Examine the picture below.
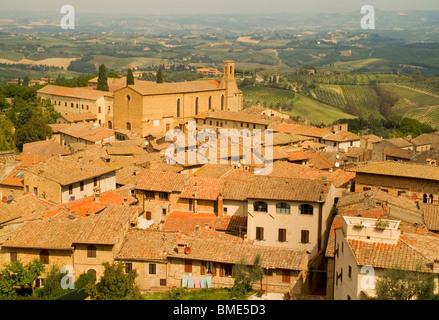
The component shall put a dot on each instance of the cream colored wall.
(80, 105)
(82, 264)
(235, 207)
(51, 189)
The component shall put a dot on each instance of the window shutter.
(222, 270)
(188, 266)
(286, 276)
(214, 269)
(203, 267)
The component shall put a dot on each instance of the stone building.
(155, 108)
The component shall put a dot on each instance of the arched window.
(260, 206)
(283, 208)
(306, 209)
(91, 252)
(92, 272)
(44, 256)
(178, 108)
(196, 106)
(128, 126)
(424, 198)
(210, 103)
(430, 199)
(222, 102)
(110, 125)
(231, 70)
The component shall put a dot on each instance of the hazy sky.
(215, 6)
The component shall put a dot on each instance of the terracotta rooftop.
(65, 172)
(317, 161)
(400, 142)
(276, 188)
(75, 92)
(152, 88)
(399, 169)
(302, 130)
(89, 205)
(204, 188)
(431, 216)
(6, 214)
(79, 117)
(341, 136)
(161, 181)
(45, 148)
(239, 116)
(214, 170)
(297, 156)
(87, 132)
(185, 221)
(144, 245)
(225, 251)
(106, 227)
(372, 138)
(399, 153)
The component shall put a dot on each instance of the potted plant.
(381, 224)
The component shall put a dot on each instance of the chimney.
(125, 201)
(97, 193)
(220, 205)
(197, 230)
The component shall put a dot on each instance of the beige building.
(69, 101)
(155, 108)
(87, 134)
(365, 248)
(61, 180)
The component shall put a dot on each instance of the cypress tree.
(160, 76)
(102, 81)
(130, 77)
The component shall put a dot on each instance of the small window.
(152, 268)
(188, 266)
(128, 267)
(81, 186)
(283, 208)
(259, 233)
(304, 236)
(286, 276)
(150, 194)
(164, 211)
(95, 182)
(44, 256)
(228, 270)
(306, 209)
(164, 196)
(91, 252)
(14, 256)
(36, 191)
(70, 189)
(260, 206)
(366, 189)
(350, 272)
(282, 235)
(148, 215)
(163, 282)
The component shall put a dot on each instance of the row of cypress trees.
(103, 79)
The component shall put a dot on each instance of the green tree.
(26, 81)
(84, 280)
(17, 279)
(6, 134)
(102, 79)
(115, 284)
(245, 275)
(34, 130)
(398, 284)
(160, 76)
(130, 77)
(52, 284)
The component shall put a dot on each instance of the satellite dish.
(146, 143)
(337, 156)
(337, 164)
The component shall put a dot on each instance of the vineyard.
(412, 96)
(330, 97)
(428, 115)
(294, 104)
(422, 87)
(362, 97)
(269, 97)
